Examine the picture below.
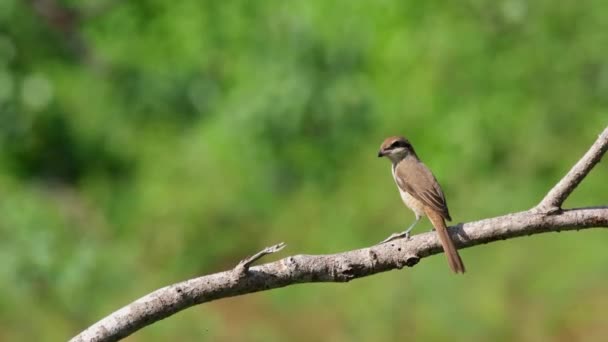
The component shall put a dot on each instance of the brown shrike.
(420, 192)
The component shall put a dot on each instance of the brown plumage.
(421, 192)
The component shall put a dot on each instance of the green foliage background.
(147, 142)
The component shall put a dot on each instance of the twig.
(243, 266)
(343, 267)
(556, 197)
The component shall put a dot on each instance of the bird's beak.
(380, 153)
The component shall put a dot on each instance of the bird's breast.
(410, 201)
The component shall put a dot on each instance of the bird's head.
(395, 148)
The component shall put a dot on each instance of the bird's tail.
(450, 250)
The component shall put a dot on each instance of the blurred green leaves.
(147, 142)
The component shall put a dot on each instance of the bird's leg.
(404, 234)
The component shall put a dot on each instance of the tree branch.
(556, 197)
(343, 267)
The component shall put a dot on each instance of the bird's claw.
(395, 236)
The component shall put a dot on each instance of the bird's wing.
(425, 188)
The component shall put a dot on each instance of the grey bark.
(343, 267)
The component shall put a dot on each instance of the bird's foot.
(395, 236)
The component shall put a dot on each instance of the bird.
(421, 193)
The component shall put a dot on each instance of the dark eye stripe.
(399, 143)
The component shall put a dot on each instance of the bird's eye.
(396, 144)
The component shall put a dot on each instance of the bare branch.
(343, 267)
(556, 197)
(340, 267)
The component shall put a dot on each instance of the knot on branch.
(410, 261)
(547, 210)
(348, 271)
